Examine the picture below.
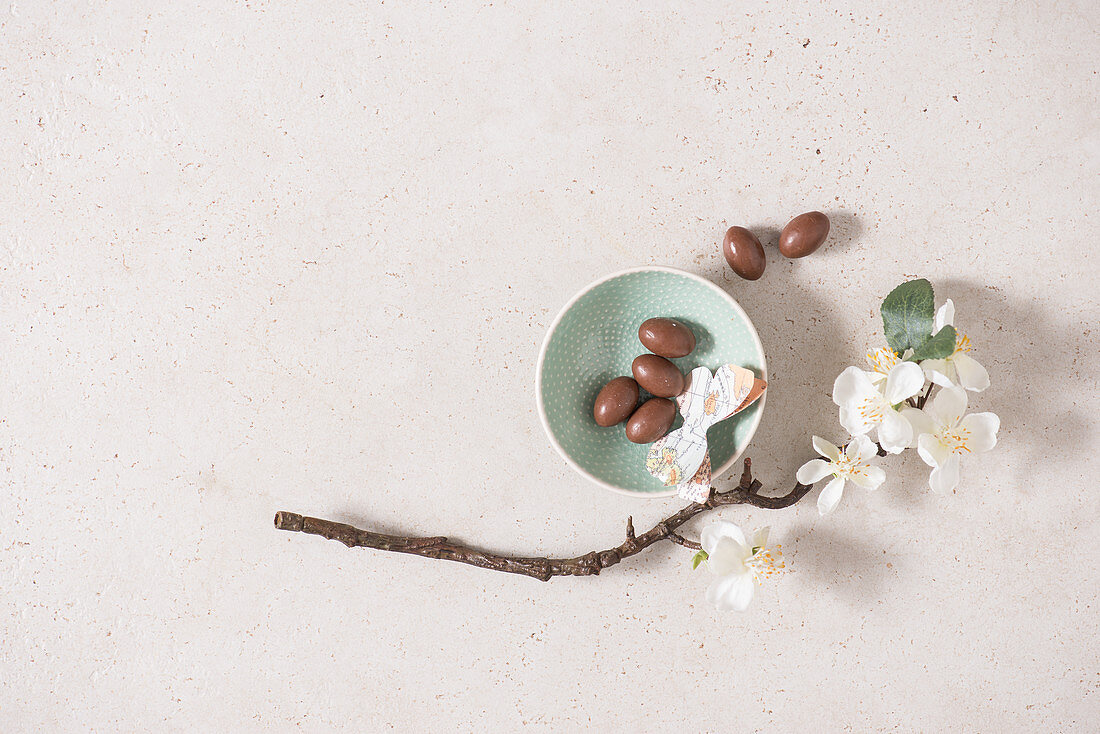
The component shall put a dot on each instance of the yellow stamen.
(766, 563)
(882, 360)
(956, 440)
(846, 467)
(870, 409)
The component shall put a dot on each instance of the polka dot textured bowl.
(595, 338)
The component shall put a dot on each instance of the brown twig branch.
(747, 492)
(924, 398)
(681, 540)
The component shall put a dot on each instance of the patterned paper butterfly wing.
(720, 399)
(695, 389)
(681, 458)
(732, 384)
(676, 457)
(662, 462)
(697, 489)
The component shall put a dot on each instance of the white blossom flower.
(853, 464)
(959, 368)
(881, 361)
(944, 435)
(738, 564)
(864, 406)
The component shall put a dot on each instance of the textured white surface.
(259, 256)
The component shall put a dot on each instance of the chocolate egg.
(615, 402)
(666, 337)
(804, 234)
(658, 375)
(744, 253)
(651, 421)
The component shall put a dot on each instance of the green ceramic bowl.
(595, 338)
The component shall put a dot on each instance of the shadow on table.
(806, 347)
(850, 565)
(1037, 363)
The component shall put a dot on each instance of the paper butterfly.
(681, 458)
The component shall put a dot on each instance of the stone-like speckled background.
(260, 256)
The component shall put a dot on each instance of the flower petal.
(855, 394)
(894, 433)
(920, 421)
(851, 386)
(972, 375)
(948, 406)
(813, 471)
(945, 315)
(904, 381)
(982, 428)
(855, 422)
(726, 557)
(731, 593)
(945, 477)
(939, 371)
(718, 530)
(826, 449)
(861, 449)
(760, 537)
(868, 477)
(830, 496)
(851, 449)
(931, 450)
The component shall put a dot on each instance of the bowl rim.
(553, 327)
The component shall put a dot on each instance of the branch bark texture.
(747, 492)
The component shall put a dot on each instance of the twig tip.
(291, 521)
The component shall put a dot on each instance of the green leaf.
(698, 558)
(907, 315)
(940, 346)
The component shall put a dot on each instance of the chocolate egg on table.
(744, 253)
(666, 337)
(651, 421)
(616, 401)
(658, 375)
(804, 234)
